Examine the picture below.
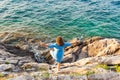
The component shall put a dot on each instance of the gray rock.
(12, 61)
(109, 60)
(68, 77)
(6, 67)
(35, 66)
(105, 76)
(22, 77)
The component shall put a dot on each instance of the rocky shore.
(21, 58)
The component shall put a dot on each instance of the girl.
(58, 51)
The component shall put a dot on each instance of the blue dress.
(58, 51)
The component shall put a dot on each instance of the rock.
(82, 55)
(68, 77)
(12, 58)
(25, 47)
(71, 54)
(68, 52)
(75, 40)
(68, 58)
(3, 74)
(4, 53)
(74, 70)
(2, 46)
(24, 60)
(93, 39)
(10, 61)
(110, 60)
(81, 58)
(95, 46)
(105, 76)
(35, 66)
(6, 67)
(84, 61)
(103, 47)
(41, 75)
(22, 77)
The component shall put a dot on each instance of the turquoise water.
(67, 18)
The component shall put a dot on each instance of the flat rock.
(22, 77)
(108, 60)
(35, 66)
(6, 67)
(105, 76)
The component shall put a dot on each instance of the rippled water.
(68, 18)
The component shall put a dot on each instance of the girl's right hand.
(43, 44)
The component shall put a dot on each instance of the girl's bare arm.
(43, 44)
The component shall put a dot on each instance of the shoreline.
(89, 57)
(37, 32)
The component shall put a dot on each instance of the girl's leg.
(58, 64)
(58, 67)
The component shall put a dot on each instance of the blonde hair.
(59, 41)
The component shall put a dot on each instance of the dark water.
(67, 18)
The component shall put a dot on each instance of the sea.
(66, 18)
